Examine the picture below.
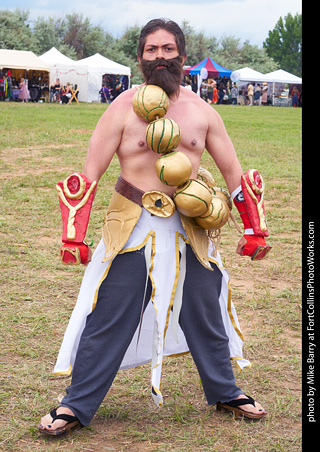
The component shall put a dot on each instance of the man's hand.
(253, 246)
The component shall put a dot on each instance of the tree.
(257, 58)
(50, 33)
(284, 43)
(198, 46)
(15, 31)
(228, 51)
(233, 55)
(82, 36)
(128, 43)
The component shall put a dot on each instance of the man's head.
(164, 24)
(161, 54)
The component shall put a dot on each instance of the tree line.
(76, 37)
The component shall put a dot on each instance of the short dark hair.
(165, 24)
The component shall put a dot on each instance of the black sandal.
(234, 406)
(72, 422)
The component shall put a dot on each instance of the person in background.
(250, 91)
(222, 92)
(2, 87)
(295, 97)
(8, 86)
(105, 94)
(188, 85)
(66, 95)
(118, 88)
(257, 94)
(264, 97)
(234, 95)
(24, 92)
(54, 90)
(215, 93)
(210, 87)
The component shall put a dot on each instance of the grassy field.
(43, 143)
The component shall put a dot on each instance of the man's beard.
(169, 77)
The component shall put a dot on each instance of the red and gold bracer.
(76, 195)
(249, 200)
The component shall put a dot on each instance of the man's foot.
(244, 406)
(58, 421)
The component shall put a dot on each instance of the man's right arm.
(76, 193)
(106, 138)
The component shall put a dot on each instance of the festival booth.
(207, 68)
(25, 64)
(98, 66)
(242, 77)
(67, 70)
(247, 74)
(278, 81)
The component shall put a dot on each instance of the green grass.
(43, 143)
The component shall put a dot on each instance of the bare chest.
(193, 132)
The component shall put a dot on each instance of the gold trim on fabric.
(176, 355)
(231, 315)
(216, 262)
(105, 274)
(229, 303)
(239, 358)
(198, 239)
(75, 253)
(153, 253)
(158, 394)
(65, 373)
(175, 283)
(81, 190)
(138, 247)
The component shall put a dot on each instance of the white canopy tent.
(23, 60)
(276, 81)
(25, 64)
(281, 76)
(67, 70)
(247, 74)
(98, 66)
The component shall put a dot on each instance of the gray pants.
(112, 324)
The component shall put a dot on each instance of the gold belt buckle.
(158, 203)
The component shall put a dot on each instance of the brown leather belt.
(155, 202)
(129, 191)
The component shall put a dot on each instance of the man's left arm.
(247, 189)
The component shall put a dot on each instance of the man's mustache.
(168, 63)
(162, 62)
(168, 76)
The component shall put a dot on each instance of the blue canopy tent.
(214, 69)
(207, 68)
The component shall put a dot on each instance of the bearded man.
(148, 291)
